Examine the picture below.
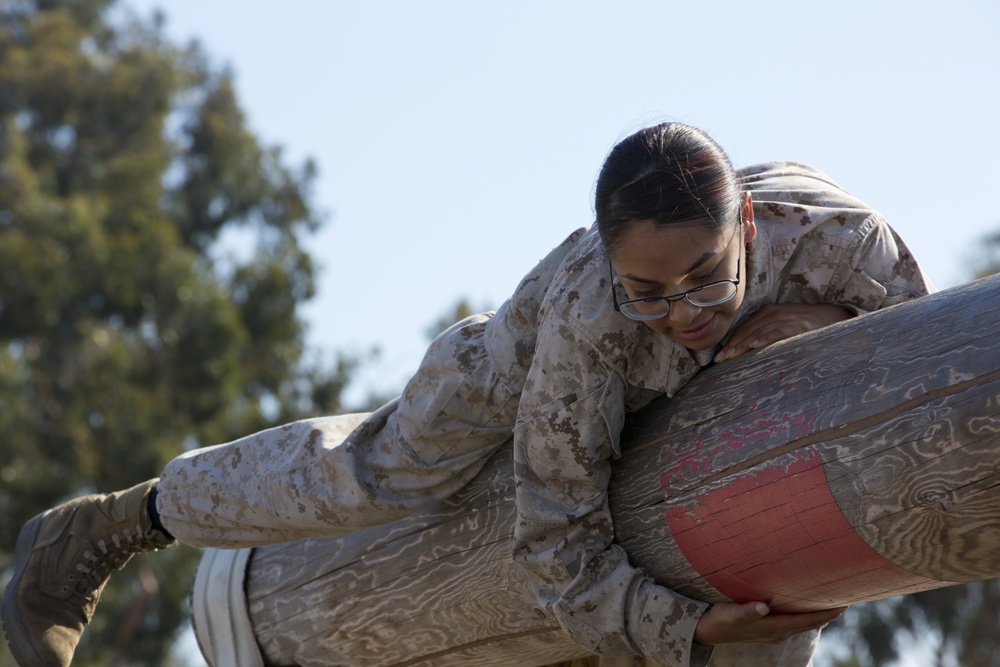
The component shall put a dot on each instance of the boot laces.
(87, 579)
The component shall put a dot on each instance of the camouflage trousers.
(327, 476)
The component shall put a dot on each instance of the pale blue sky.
(458, 141)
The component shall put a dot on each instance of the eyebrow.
(694, 267)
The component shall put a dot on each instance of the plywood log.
(851, 464)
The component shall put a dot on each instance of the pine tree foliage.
(127, 333)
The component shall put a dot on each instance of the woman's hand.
(752, 623)
(778, 321)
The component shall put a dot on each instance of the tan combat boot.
(63, 560)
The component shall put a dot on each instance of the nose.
(682, 312)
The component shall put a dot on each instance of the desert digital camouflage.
(556, 369)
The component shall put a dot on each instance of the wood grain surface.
(854, 463)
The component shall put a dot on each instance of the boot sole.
(17, 638)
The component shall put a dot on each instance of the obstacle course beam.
(850, 464)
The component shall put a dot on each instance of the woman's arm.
(778, 321)
(563, 540)
(570, 417)
(752, 623)
(874, 271)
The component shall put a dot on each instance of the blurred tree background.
(129, 333)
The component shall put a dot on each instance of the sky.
(458, 141)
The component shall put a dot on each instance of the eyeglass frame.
(686, 295)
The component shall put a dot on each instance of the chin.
(697, 345)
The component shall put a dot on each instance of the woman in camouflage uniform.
(690, 263)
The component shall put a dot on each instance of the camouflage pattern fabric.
(557, 369)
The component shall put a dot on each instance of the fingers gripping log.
(854, 463)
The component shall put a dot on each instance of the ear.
(749, 226)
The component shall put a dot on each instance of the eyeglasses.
(655, 307)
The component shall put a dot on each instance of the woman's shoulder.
(580, 296)
(794, 175)
(794, 203)
(579, 322)
(785, 184)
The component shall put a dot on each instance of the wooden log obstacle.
(850, 464)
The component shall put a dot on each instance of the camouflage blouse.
(580, 367)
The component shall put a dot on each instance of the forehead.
(669, 251)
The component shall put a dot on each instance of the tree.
(956, 625)
(126, 334)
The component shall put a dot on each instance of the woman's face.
(665, 261)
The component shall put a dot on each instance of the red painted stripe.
(776, 534)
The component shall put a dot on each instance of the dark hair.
(669, 173)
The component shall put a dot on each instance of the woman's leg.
(310, 478)
(326, 476)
